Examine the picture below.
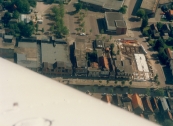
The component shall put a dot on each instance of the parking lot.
(44, 10)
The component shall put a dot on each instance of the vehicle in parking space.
(82, 34)
(163, 16)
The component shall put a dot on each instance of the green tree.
(130, 82)
(23, 6)
(159, 92)
(43, 30)
(16, 14)
(86, 10)
(7, 17)
(147, 91)
(159, 25)
(156, 77)
(90, 31)
(116, 82)
(112, 46)
(102, 31)
(36, 27)
(61, 10)
(144, 22)
(26, 29)
(78, 6)
(123, 82)
(162, 55)
(82, 24)
(123, 9)
(32, 3)
(168, 122)
(110, 37)
(145, 32)
(140, 13)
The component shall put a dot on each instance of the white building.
(143, 72)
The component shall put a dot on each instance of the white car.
(82, 34)
(163, 16)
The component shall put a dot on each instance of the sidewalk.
(93, 82)
(129, 33)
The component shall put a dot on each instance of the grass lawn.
(146, 28)
(171, 47)
(151, 42)
(164, 20)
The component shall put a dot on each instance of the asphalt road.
(113, 90)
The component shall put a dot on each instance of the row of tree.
(59, 28)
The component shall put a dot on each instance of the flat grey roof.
(164, 104)
(96, 2)
(124, 66)
(107, 4)
(22, 60)
(27, 45)
(120, 24)
(150, 5)
(114, 20)
(52, 54)
(165, 1)
(8, 36)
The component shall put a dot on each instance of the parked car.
(163, 16)
(82, 34)
(162, 13)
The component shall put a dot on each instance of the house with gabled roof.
(154, 104)
(163, 105)
(107, 98)
(116, 99)
(137, 104)
(147, 105)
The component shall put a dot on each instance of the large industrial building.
(115, 23)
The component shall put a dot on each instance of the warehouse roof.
(114, 20)
(108, 4)
(22, 60)
(150, 5)
(51, 53)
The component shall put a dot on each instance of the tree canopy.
(144, 22)
(159, 92)
(26, 30)
(78, 6)
(16, 14)
(168, 122)
(22, 6)
(32, 3)
(123, 9)
(159, 25)
(59, 28)
(7, 17)
(140, 13)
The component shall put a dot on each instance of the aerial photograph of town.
(117, 51)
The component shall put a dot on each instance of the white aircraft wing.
(30, 99)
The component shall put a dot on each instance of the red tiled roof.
(107, 98)
(103, 61)
(147, 104)
(169, 53)
(171, 12)
(136, 101)
(94, 65)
